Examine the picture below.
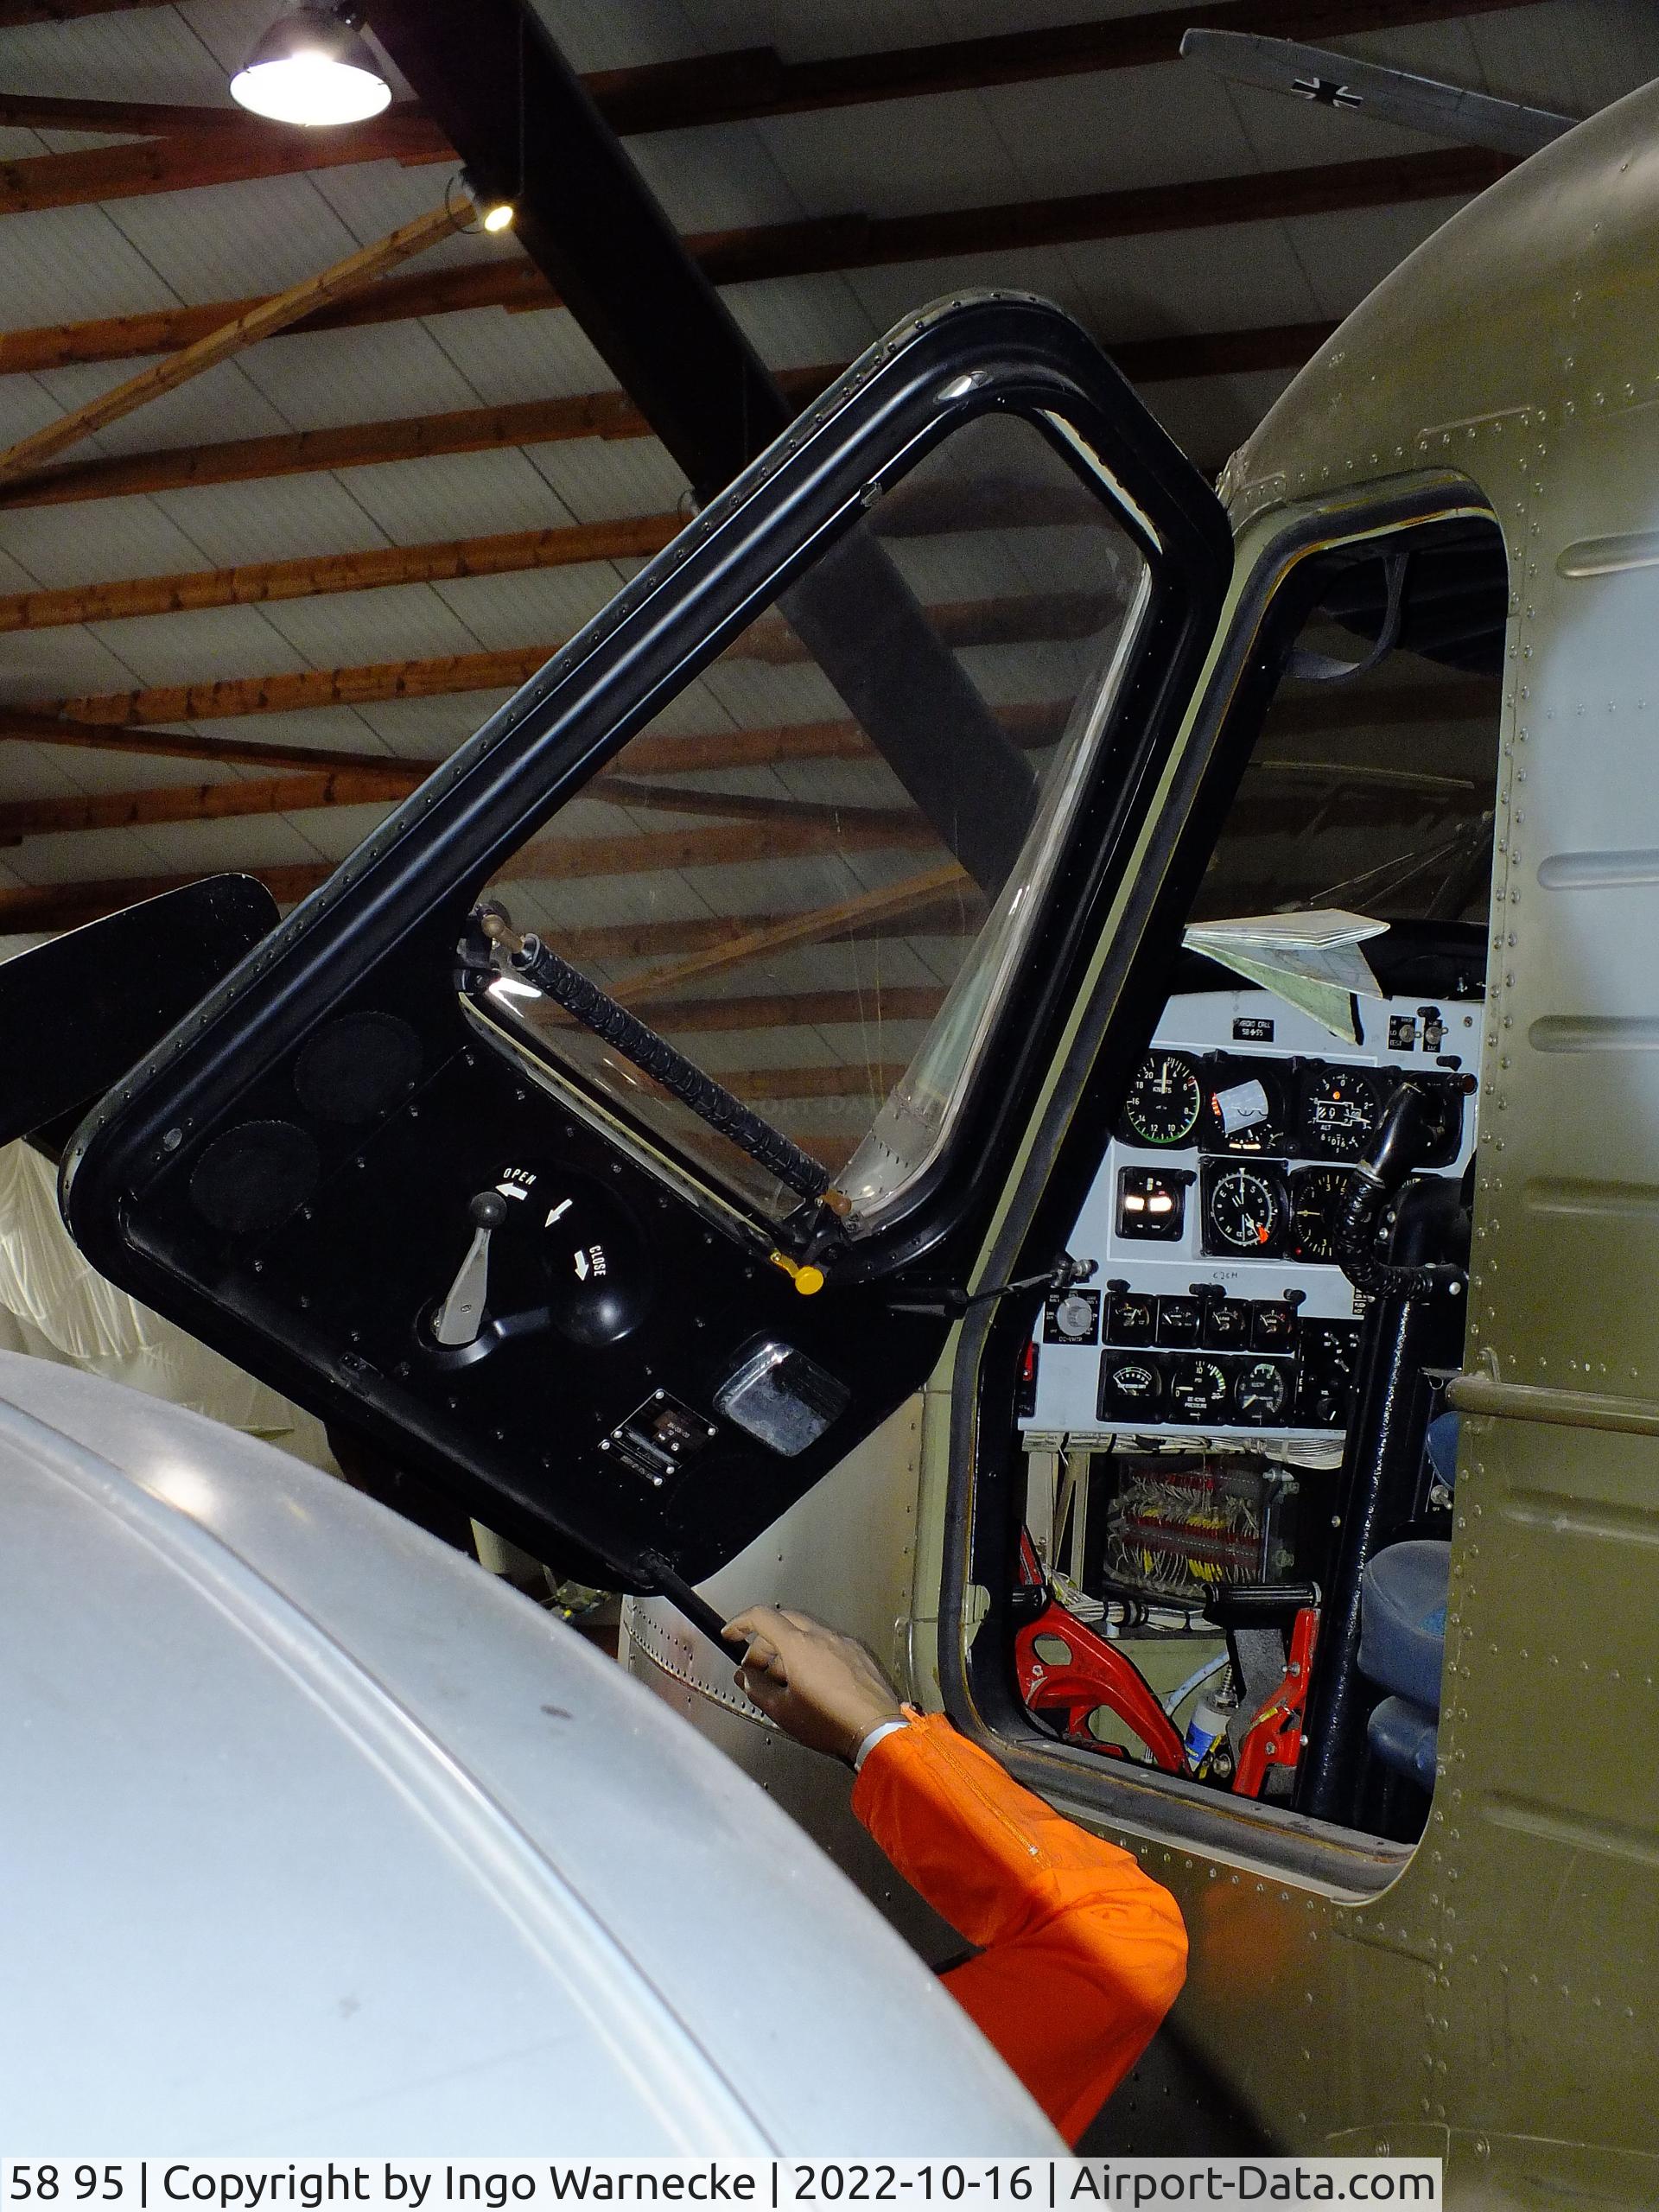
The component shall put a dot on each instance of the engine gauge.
(1130, 1318)
(1244, 1211)
(1340, 1111)
(1262, 1390)
(1315, 1194)
(1164, 1100)
(1198, 1391)
(1129, 1389)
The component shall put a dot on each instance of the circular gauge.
(1340, 1111)
(1245, 1210)
(1164, 1100)
(1074, 1317)
(1130, 1320)
(1130, 1388)
(1197, 1390)
(1315, 1194)
(1261, 1390)
(1227, 1323)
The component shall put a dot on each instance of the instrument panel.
(1216, 1308)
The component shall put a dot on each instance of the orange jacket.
(1081, 1954)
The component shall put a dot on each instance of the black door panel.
(348, 1174)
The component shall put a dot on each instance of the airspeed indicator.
(1164, 1100)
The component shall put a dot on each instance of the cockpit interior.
(1239, 1473)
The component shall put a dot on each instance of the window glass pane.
(810, 871)
(1374, 791)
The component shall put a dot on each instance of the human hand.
(819, 1686)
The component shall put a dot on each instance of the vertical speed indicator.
(1164, 1100)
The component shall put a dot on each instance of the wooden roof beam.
(930, 510)
(325, 779)
(17, 722)
(794, 1009)
(755, 82)
(995, 622)
(167, 803)
(129, 118)
(15, 13)
(65, 905)
(549, 421)
(676, 95)
(254, 583)
(221, 145)
(817, 245)
(343, 278)
(231, 152)
(856, 1080)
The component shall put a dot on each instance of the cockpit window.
(1371, 786)
(812, 872)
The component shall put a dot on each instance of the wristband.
(868, 1742)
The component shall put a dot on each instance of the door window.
(782, 872)
(814, 871)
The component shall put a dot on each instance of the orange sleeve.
(1082, 1955)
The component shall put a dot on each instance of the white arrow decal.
(563, 1206)
(513, 1190)
(581, 1266)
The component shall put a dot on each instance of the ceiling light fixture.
(312, 67)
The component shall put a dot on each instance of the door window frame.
(1110, 1027)
(902, 402)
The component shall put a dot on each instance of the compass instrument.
(1244, 1210)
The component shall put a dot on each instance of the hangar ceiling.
(238, 623)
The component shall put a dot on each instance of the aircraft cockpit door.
(610, 1138)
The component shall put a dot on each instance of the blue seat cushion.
(1403, 1736)
(1443, 1446)
(1402, 1620)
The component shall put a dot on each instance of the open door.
(610, 1138)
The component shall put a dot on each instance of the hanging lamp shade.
(312, 67)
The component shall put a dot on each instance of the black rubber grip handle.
(711, 1101)
(684, 1600)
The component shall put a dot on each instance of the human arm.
(1081, 1954)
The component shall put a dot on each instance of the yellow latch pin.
(806, 1280)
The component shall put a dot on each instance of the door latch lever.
(459, 1317)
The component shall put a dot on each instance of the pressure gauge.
(1262, 1390)
(1198, 1390)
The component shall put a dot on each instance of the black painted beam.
(526, 128)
